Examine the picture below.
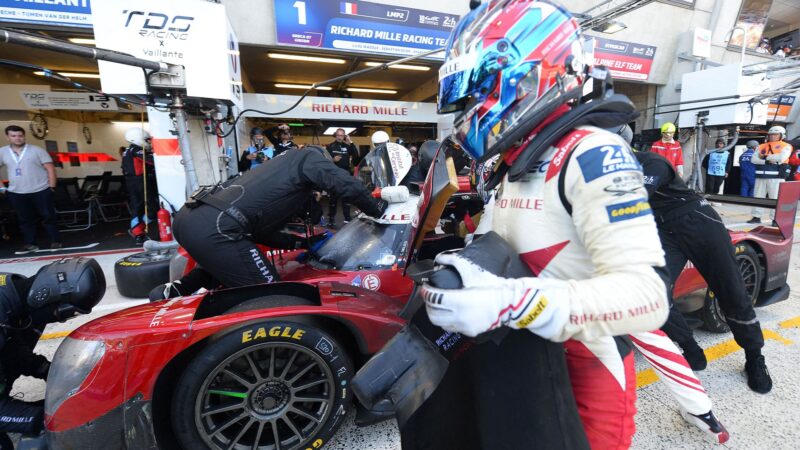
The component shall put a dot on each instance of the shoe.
(27, 248)
(754, 220)
(56, 246)
(758, 378)
(775, 224)
(695, 357)
(714, 429)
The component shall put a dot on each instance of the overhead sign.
(625, 60)
(195, 34)
(83, 101)
(341, 108)
(779, 108)
(73, 13)
(361, 26)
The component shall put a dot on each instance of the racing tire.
(136, 275)
(269, 381)
(711, 314)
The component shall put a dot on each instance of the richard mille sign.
(342, 108)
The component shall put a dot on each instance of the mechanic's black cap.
(256, 130)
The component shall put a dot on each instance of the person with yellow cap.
(669, 148)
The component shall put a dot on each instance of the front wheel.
(270, 385)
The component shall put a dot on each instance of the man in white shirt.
(31, 181)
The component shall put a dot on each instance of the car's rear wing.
(785, 206)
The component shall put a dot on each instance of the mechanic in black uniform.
(140, 179)
(283, 141)
(220, 229)
(691, 229)
(343, 152)
(59, 291)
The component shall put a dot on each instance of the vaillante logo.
(159, 26)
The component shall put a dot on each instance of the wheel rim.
(150, 256)
(272, 396)
(749, 271)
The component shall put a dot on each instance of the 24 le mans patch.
(606, 159)
(628, 210)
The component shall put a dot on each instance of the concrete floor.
(755, 421)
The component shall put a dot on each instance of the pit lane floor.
(755, 421)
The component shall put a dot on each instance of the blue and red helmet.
(508, 65)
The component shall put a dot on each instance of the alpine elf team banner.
(361, 26)
(625, 60)
(75, 13)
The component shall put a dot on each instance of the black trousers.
(219, 245)
(136, 199)
(713, 183)
(701, 237)
(30, 209)
(333, 200)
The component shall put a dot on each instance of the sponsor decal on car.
(279, 331)
(606, 159)
(371, 282)
(628, 210)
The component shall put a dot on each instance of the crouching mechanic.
(571, 201)
(691, 229)
(58, 291)
(220, 228)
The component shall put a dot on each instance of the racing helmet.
(668, 127)
(380, 137)
(509, 64)
(624, 131)
(752, 144)
(137, 136)
(777, 129)
(65, 288)
(426, 154)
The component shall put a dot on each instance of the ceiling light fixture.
(71, 74)
(372, 91)
(399, 66)
(306, 58)
(332, 130)
(301, 86)
(82, 41)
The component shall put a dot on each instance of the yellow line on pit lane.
(648, 376)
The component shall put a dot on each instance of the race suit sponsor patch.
(606, 159)
(628, 210)
(651, 180)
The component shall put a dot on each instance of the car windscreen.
(375, 170)
(364, 244)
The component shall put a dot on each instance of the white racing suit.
(582, 223)
(768, 174)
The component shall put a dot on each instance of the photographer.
(257, 152)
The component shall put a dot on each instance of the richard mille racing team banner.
(625, 60)
(341, 108)
(361, 26)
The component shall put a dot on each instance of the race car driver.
(770, 160)
(220, 229)
(571, 201)
(669, 147)
(691, 229)
(58, 291)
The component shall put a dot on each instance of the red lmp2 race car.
(270, 366)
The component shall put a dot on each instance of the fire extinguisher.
(164, 224)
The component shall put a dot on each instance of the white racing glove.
(488, 301)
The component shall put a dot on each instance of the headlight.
(72, 363)
(177, 265)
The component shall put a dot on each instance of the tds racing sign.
(190, 33)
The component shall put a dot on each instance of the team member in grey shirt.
(31, 181)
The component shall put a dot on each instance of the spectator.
(32, 180)
(748, 170)
(763, 47)
(342, 150)
(770, 159)
(669, 148)
(718, 163)
(256, 153)
(284, 140)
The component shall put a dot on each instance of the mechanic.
(283, 141)
(343, 152)
(771, 161)
(571, 201)
(220, 229)
(669, 147)
(747, 169)
(140, 182)
(379, 137)
(690, 229)
(256, 153)
(718, 163)
(58, 292)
